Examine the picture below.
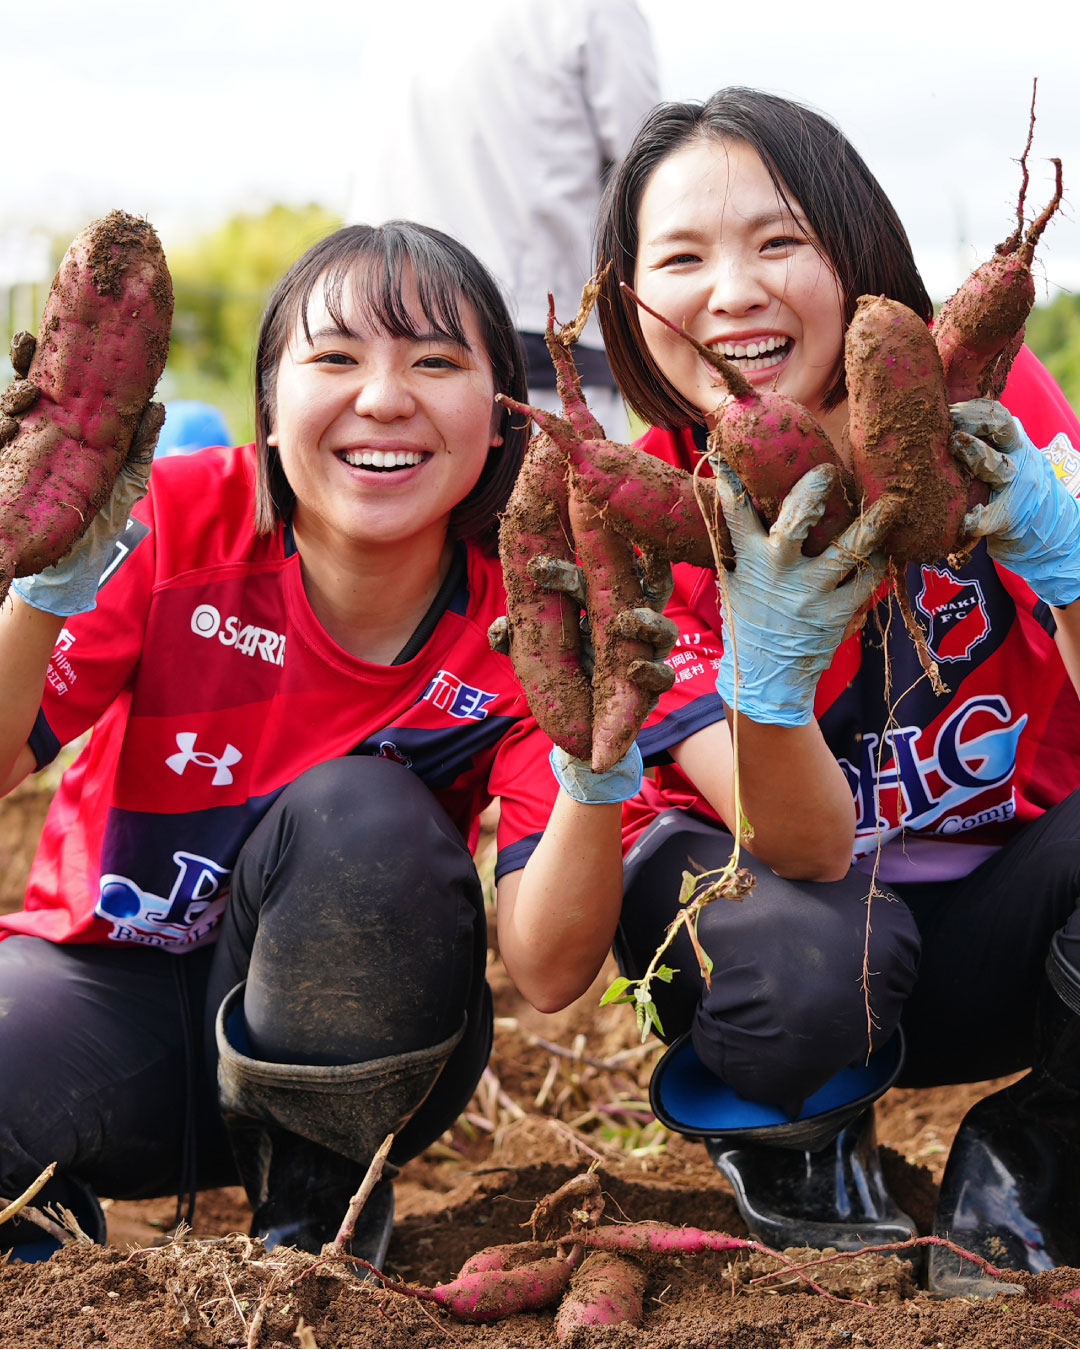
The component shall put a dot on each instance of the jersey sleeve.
(1033, 395)
(522, 779)
(97, 653)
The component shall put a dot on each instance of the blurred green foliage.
(222, 281)
(1053, 334)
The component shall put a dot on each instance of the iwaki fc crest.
(956, 612)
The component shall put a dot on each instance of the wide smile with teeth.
(382, 459)
(754, 355)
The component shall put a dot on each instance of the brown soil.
(539, 1117)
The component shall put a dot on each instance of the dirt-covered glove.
(646, 623)
(1032, 521)
(70, 586)
(20, 394)
(617, 784)
(785, 614)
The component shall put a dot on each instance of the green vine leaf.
(616, 990)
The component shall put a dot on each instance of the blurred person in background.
(508, 116)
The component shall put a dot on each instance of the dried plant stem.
(11, 1208)
(360, 1199)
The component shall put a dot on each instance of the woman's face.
(380, 437)
(720, 253)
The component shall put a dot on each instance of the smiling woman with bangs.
(254, 937)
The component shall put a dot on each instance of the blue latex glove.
(1032, 521)
(784, 614)
(70, 586)
(616, 784)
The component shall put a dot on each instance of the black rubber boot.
(1011, 1189)
(303, 1135)
(299, 1192)
(27, 1242)
(833, 1196)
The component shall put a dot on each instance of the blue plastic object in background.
(191, 425)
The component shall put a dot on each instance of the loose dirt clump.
(562, 1092)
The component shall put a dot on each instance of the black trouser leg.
(355, 947)
(786, 1009)
(97, 1063)
(357, 919)
(1011, 1189)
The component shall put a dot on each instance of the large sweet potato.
(101, 348)
(899, 429)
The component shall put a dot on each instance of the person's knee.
(791, 1009)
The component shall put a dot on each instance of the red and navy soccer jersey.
(210, 686)
(940, 781)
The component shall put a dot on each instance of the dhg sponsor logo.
(456, 697)
(937, 785)
(186, 917)
(246, 638)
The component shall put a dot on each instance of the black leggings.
(787, 1008)
(356, 917)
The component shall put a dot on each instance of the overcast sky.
(185, 110)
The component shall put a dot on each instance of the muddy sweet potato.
(899, 428)
(605, 1291)
(658, 507)
(489, 1295)
(543, 627)
(613, 588)
(101, 348)
(771, 442)
(625, 676)
(980, 328)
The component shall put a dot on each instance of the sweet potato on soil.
(899, 428)
(489, 1294)
(101, 348)
(543, 625)
(771, 442)
(605, 1291)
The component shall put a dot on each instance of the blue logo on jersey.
(932, 791)
(186, 918)
(456, 697)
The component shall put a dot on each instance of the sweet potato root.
(101, 348)
(899, 429)
(771, 442)
(605, 1291)
(543, 625)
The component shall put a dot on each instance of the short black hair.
(809, 158)
(446, 274)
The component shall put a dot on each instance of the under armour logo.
(189, 755)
